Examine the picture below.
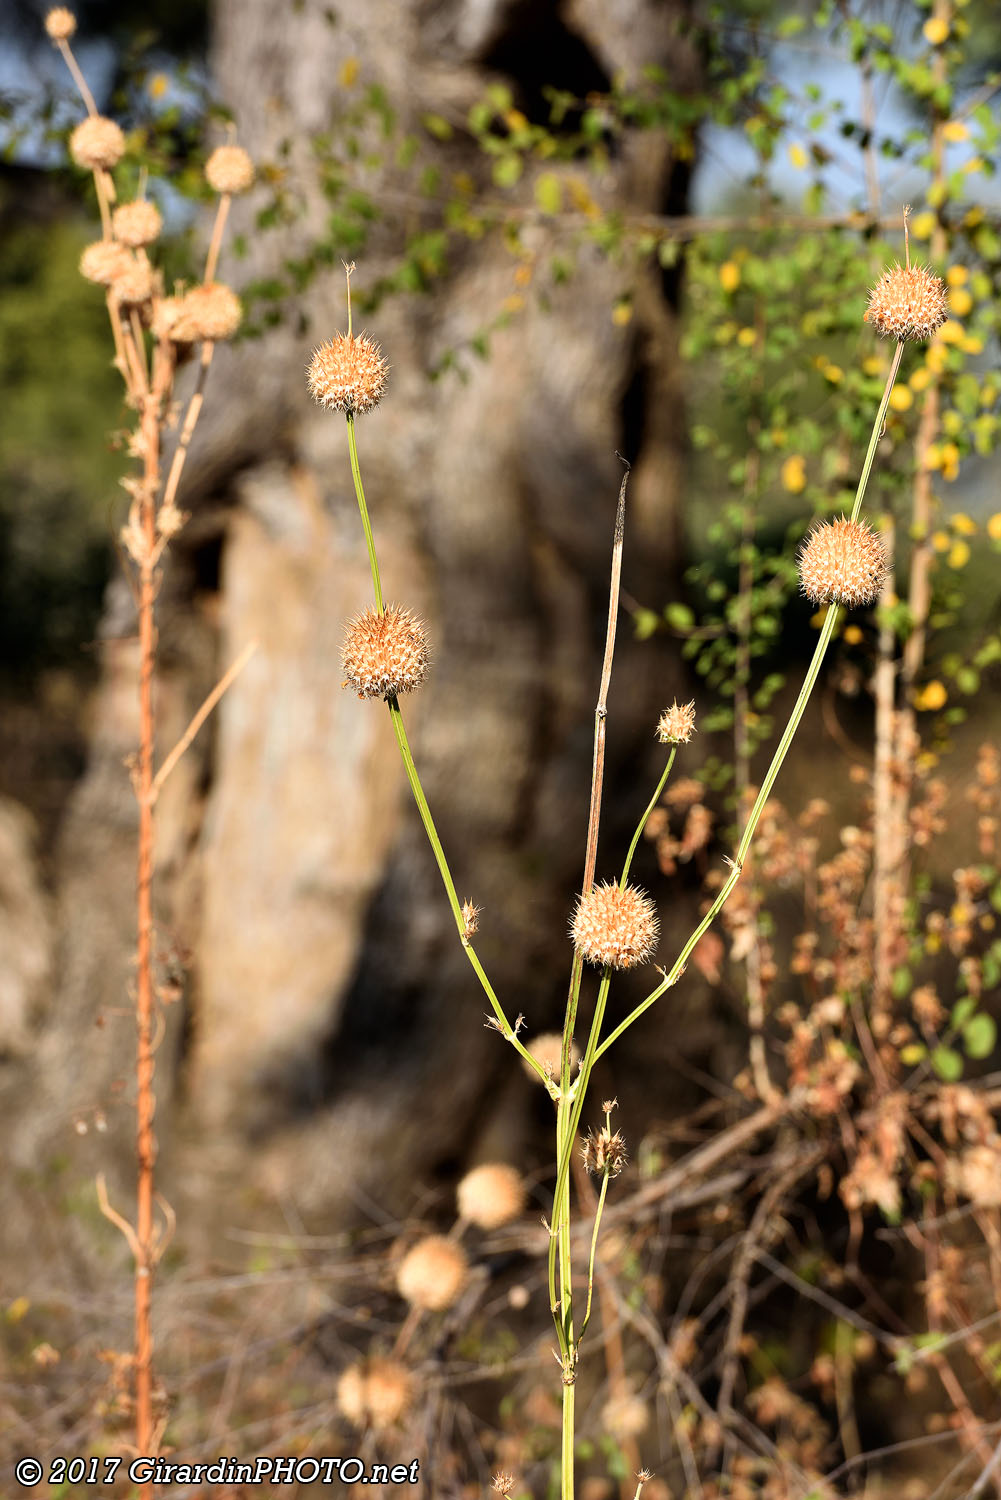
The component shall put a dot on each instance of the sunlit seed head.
(97, 144)
(843, 562)
(229, 170)
(907, 302)
(614, 926)
(60, 23)
(676, 724)
(136, 224)
(375, 1392)
(547, 1049)
(385, 653)
(348, 373)
(105, 260)
(491, 1195)
(135, 282)
(605, 1152)
(432, 1275)
(209, 313)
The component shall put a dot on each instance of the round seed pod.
(491, 1195)
(385, 653)
(97, 144)
(375, 1392)
(105, 260)
(348, 373)
(842, 562)
(207, 313)
(135, 283)
(60, 23)
(136, 224)
(676, 724)
(433, 1274)
(907, 302)
(614, 926)
(547, 1048)
(229, 170)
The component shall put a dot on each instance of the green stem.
(363, 508)
(643, 820)
(566, 1451)
(594, 1245)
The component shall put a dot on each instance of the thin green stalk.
(566, 1448)
(643, 820)
(363, 508)
(594, 1246)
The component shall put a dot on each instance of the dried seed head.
(60, 23)
(503, 1484)
(491, 1195)
(547, 1049)
(842, 562)
(385, 653)
(626, 1417)
(97, 144)
(375, 1392)
(229, 170)
(208, 313)
(615, 926)
(433, 1274)
(165, 316)
(137, 223)
(907, 302)
(135, 281)
(604, 1152)
(348, 374)
(676, 725)
(470, 918)
(105, 260)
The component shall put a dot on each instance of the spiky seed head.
(229, 170)
(605, 1152)
(135, 282)
(503, 1484)
(385, 653)
(208, 313)
(348, 373)
(547, 1049)
(491, 1195)
(676, 724)
(375, 1392)
(105, 260)
(97, 144)
(136, 224)
(165, 316)
(842, 562)
(470, 918)
(907, 302)
(615, 926)
(433, 1274)
(60, 23)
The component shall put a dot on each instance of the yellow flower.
(931, 697)
(940, 541)
(348, 72)
(963, 524)
(157, 85)
(729, 276)
(972, 345)
(873, 365)
(935, 31)
(922, 226)
(901, 399)
(936, 358)
(955, 130)
(960, 301)
(975, 164)
(933, 456)
(852, 635)
(921, 379)
(794, 474)
(960, 555)
(951, 332)
(797, 155)
(746, 337)
(834, 373)
(957, 276)
(952, 423)
(994, 526)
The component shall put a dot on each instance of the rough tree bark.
(330, 1043)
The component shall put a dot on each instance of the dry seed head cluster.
(842, 562)
(136, 224)
(604, 1152)
(135, 283)
(60, 24)
(432, 1275)
(907, 302)
(229, 170)
(676, 724)
(104, 261)
(491, 1195)
(615, 926)
(348, 373)
(97, 144)
(385, 653)
(210, 313)
(375, 1393)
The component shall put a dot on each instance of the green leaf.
(549, 193)
(507, 170)
(645, 623)
(979, 1036)
(947, 1064)
(437, 126)
(679, 616)
(962, 1011)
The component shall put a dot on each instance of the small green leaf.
(962, 1011)
(947, 1064)
(507, 170)
(549, 193)
(979, 1036)
(679, 616)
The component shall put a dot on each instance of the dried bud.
(433, 1274)
(229, 170)
(166, 314)
(676, 725)
(375, 1392)
(547, 1049)
(491, 1195)
(604, 1152)
(385, 653)
(137, 223)
(503, 1484)
(348, 374)
(134, 283)
(97, 144)
(907, 302)
(104, 261)
(470, 919)
(60, 24)
(615, 926)
(208, 313)
(842, 562)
